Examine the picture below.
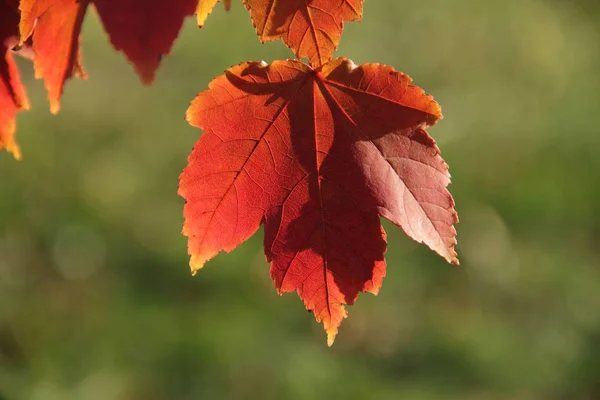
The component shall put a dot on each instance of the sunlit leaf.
(317, 156)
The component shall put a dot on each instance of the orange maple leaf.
(317, 155)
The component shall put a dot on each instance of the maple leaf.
(143, 29)
(317, 155)
(311, 28)
(12, 93)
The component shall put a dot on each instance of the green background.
(96, 299)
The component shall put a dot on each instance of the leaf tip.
(12, 147)
(196, 263)
(331, 334)
(450, 255)
(25, 105)
(332, 324)
(201, 20)
(54, 106)
(332, 331)
(147, 76)
(16, 152)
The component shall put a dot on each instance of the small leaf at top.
(311, 28)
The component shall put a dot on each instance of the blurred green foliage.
(96, 300)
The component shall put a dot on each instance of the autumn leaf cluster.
(317, 152)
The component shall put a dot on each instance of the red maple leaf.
(143, 29)
(12, 92)
(311, 28)
(317, 155)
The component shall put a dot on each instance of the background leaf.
(143, 30)
(12, 93)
